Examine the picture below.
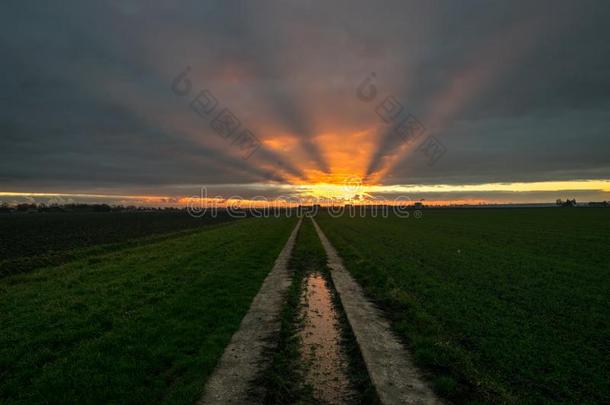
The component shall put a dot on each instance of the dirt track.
(389, 364)
(244, 357)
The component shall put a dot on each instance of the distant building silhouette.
(566, 203)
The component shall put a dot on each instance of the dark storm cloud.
(542, 69)
(85, 98)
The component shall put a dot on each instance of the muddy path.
(246, 356)
(389, 364)
(325, 360)
(311, 336)
(317, 360)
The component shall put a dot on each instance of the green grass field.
(499, 305)
(32, 240)
(144, 324)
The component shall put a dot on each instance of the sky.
(151, 102)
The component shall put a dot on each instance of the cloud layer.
(516, 91)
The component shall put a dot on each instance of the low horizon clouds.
(517, 92)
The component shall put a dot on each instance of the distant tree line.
(42, 207)
(572, 203)
(566, 203)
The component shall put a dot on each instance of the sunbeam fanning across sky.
(271, 94)
(187, 186)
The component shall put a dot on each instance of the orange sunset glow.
(281, 111)
(289, 202)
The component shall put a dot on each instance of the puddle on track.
(327, 364)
